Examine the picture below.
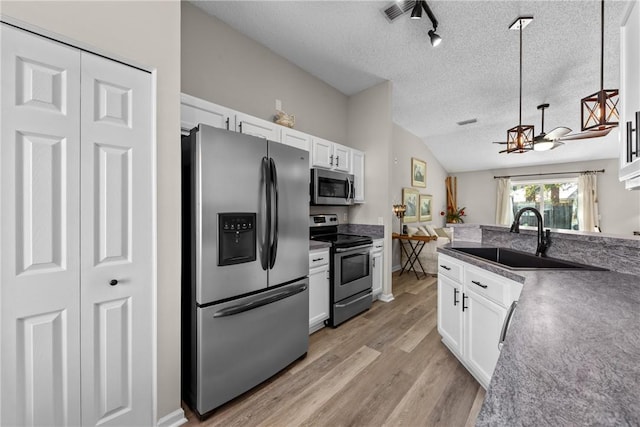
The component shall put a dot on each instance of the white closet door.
(117, 244)
(39, 226)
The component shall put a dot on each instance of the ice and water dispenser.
(236, 238)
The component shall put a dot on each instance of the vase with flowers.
(454, 216)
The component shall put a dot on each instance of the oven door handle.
(355, 248)
(367, 295)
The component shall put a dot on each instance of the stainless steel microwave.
(331, 188)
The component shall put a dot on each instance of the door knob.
(113, 282)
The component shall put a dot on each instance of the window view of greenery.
(557, 202)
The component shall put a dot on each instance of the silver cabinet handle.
(505, 325)
(337, 161)
(317, 259)
(331, 160)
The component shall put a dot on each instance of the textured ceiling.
(472, 74)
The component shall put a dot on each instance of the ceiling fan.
(554, 139)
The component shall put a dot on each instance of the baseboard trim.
(396, 268)
(386, 297)
(174, 419)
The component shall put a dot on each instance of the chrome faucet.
(544, 240)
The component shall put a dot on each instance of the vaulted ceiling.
(473, 74)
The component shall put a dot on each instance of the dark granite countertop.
(572, 354)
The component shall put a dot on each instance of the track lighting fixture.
(435, 39)
(416, 13)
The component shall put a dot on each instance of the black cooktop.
(340, 240)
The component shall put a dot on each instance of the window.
(556, 200)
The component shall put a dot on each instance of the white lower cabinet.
(377, 258)
(472, 307)
(318, 289)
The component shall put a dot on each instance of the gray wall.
(370, 130)
(405, 146)
(225, 67)
(147, 33)
(619, 208)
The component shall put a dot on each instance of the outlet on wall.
(278, 105)
(345, 217)
(380, 220)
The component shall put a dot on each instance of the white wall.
(370, 130)
(405, 146)
(147, 33)
(619, 208)
(223, 66)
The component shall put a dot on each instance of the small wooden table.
(416, 244)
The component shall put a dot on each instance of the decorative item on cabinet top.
(284, 119)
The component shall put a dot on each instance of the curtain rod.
(550, 173)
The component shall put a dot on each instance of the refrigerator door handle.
(274, 243)
(265, 242)
(241, 308)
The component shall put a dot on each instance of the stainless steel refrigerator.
(245, 298)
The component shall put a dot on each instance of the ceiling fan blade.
(556, 144)
(556, 133)
(586, 135)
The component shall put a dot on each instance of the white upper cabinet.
(195, 110)
(257, 127)
(630, 98)
(330, 155)
(357, 169)
(295, 138)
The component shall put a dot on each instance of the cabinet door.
(341, 158)
(321, 153)
(250, 125)
(318, 297)
(629, 92)
(117, 227)
(357, 169)
(377, 273)
(450, 313)
(194, 111)
(39, 230)
(295, 138)
(482, 325)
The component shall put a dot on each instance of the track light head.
(435, 38)
(416, 13)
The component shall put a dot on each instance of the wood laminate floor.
(386, 367)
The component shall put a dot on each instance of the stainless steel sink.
(517, 260)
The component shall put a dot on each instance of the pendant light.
(599, 111)
(520, 138)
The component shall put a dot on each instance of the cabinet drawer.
(450, 268)
(491, 286)
(319, 258)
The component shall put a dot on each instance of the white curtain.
(588, 202)
(504, 205)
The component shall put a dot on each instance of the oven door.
(351, 271)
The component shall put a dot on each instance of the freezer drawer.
(245, 341)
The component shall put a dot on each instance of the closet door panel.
(117, 276)
(39, 230)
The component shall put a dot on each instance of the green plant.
(454, 215)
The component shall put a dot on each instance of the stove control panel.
(323, 220)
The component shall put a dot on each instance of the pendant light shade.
(520, 138)
(599, 111)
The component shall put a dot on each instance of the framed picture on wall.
(425, 207)
(418, 173)
(411, 199)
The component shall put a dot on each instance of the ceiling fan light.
(435, 38)
(543, 145)
(416, 13)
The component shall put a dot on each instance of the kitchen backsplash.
(375, 231)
